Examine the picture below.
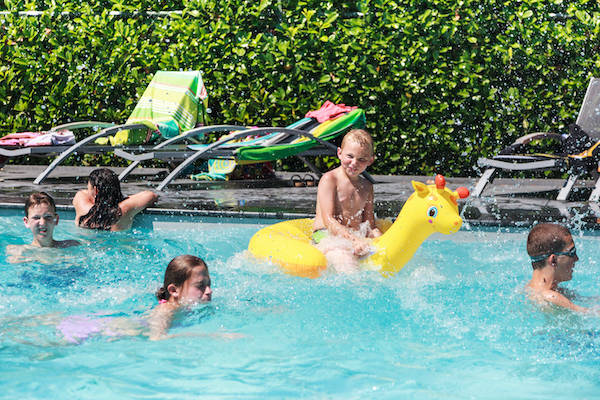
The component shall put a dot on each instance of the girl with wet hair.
(186, 282)
(102, 205)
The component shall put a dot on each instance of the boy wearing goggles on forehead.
(553, 257)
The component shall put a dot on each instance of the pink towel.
(43, 138)
(328, 111)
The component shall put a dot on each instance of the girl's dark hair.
(105, 212)
(37, 198)
(178, 271)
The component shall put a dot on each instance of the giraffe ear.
(420, 188)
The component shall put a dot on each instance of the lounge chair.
(579, 155)
(43, 143)
(175, 150)
(305, 138)
(171, 104)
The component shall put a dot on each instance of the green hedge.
(443, 82)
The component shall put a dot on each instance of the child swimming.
(186, 283)
(553, 257)
(41, 219)
(103, 206)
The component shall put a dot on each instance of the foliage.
(443, 82)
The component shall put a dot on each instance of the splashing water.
(453, 323)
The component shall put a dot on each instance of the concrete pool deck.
(506, 202)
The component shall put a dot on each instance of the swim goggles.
(572, 252)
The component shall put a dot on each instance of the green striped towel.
(169, 106)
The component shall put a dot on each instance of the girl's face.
(197, 287)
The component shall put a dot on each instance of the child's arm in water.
(556, 298)
(159, 320)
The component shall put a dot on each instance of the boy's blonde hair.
(361, 137)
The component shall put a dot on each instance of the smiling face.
(355, 158)
(41, 220)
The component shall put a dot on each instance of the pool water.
(453, 324)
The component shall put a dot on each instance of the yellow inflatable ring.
(288, 244)
(431, 208)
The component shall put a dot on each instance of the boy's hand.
(361, 246)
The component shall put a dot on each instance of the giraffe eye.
(432, 212)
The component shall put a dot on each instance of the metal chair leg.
(566, 189)
(486, 178)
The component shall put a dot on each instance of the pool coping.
(508, 202)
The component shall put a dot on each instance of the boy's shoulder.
(552, 297)
(330, 177)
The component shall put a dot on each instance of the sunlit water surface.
(453, 324)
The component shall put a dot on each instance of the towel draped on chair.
(42, 138)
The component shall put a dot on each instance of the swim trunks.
(319, 235)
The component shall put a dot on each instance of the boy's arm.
(369, 214)
(562, 301)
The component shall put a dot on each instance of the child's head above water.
(41, 218)
(360, 137)
(104, 186)
(356, 152)
(37, 198)
(186, 281)
(545, 240)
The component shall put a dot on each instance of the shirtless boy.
(553, 257)
(344, 217)
(41, 218)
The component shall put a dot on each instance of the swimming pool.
(453, 324)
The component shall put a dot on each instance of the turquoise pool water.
(453, 324)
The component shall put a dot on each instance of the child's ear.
(26, 221)
(173, 290)
(339, 152)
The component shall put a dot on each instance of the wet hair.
(359, 136)
(178, 271)
(37, 198)
(546, 239)
(105, 212)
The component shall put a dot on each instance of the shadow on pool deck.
(508, 202)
